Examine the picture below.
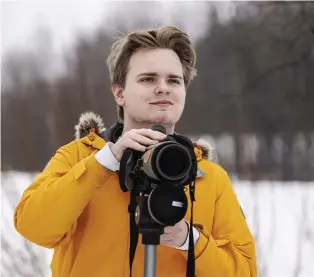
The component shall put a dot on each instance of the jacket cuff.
(196, 236)
(105, 157)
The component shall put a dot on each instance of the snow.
(280, 215)
(282, 220)
(19, 257)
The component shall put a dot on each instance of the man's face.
(154, 92)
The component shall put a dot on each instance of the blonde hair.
(168, 37)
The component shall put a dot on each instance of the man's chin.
(164, 120)
(160, 119)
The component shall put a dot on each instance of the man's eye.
(147, 79)
(174, 81)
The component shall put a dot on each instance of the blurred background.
(252, 99)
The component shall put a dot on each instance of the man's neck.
(129, 125)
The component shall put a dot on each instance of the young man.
(76, 206)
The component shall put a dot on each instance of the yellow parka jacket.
(76, 207)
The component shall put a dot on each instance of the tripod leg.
(150, 261)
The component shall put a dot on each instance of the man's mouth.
(162, 103)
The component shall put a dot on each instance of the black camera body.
(160, 175)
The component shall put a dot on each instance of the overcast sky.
(20, 19)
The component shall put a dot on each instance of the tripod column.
(150, 261)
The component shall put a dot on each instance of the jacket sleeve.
(228, 249)
(48, 210)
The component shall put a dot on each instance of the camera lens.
(173, 162)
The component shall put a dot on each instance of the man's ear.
(118, 94)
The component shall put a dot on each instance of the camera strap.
(134, 233)
(190, 272)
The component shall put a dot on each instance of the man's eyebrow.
(153, 74)
(175, 76)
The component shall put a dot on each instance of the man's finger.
(166, 237)
(143, 140)
(155, 135)
(168, 229)
(167, 243)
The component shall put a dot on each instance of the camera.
(159, 176)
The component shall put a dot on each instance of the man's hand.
(175, 236)
(137, 139)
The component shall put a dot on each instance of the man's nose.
(162, 88)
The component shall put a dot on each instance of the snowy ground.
(281, 217)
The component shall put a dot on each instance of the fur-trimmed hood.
(90, 120)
